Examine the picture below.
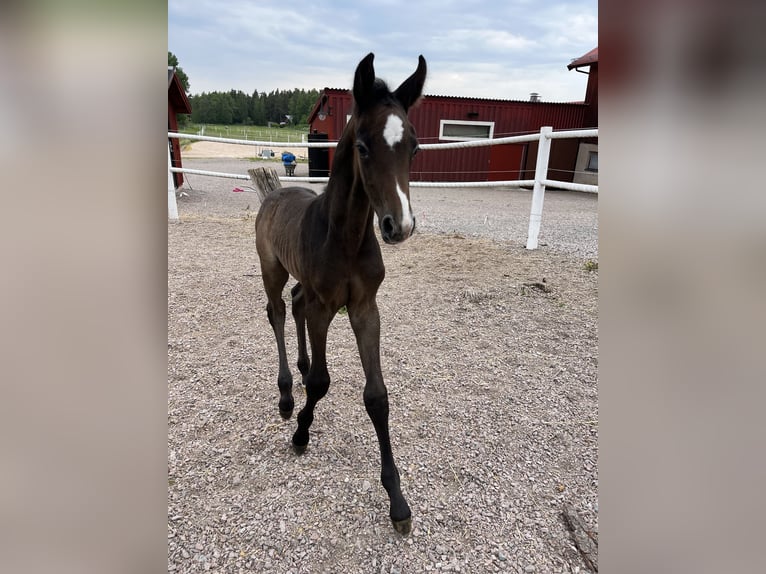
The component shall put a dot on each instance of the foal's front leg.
(365, 321)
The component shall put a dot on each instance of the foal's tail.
(265, 180)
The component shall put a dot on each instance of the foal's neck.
(349, 211)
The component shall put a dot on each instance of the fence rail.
(182, 136)
(538, 184)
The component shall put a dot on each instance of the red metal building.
(586, 164)
(178, 103)
(590, 61)
(446, 118)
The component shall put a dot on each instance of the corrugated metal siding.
(591, 98)
(561, 162)
(468, 164)
(509, 117)
(175, 146)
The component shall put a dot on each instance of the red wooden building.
(440, 119)
(178, 103)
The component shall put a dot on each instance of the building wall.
(175, 146)
(177, 103)
(561, 161)
(591, 98)
(490, 163)
(581, 175)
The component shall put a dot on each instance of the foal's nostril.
(387, 226)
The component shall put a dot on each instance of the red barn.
(590, 61)
(178, 103)
(586, 164)
(447, 118)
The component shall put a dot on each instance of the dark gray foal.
(327, 243)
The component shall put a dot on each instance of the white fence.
(538, 183)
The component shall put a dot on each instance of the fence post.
(538, 191)
(172, 205)
(265, 179)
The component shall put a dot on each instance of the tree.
(236, 107)
(183, 78)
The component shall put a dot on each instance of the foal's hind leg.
(274, 279)
(317, 378)
(299, 314)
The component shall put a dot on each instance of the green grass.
(259, 133)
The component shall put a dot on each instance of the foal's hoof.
(300, 439)
(286, 414)
(403, 527)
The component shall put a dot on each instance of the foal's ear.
(364, 79)
(412, 88)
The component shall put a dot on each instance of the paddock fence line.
(538, 184)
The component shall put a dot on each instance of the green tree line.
(237, 107)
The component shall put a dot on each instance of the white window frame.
(442, 123)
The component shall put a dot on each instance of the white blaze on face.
(393, 134)
(394, 130)
(406, 211)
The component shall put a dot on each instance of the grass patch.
(288, 134)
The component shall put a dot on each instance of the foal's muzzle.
(392, 231)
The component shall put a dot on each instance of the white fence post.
(538, 191)
(172, 205)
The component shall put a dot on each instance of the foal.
(327, 242)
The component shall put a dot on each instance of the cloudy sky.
(503, 49)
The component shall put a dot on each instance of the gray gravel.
(490, 356)
(570, 219)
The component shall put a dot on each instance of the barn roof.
(176, 95)
(347, 91)
(490, 100)
(434, 98)
(586, 60)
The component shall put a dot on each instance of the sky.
(474, 48)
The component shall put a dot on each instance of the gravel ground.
(570, 219)
(489, 352)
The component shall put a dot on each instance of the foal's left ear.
(412, 88)
(364, 79)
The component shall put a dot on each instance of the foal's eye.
(362, 149)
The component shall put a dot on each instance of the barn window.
(592, 162)
(459, 130)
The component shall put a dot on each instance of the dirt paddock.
(490, 355)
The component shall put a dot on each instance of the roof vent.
(534, 97)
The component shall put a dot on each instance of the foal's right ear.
(364, 79)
